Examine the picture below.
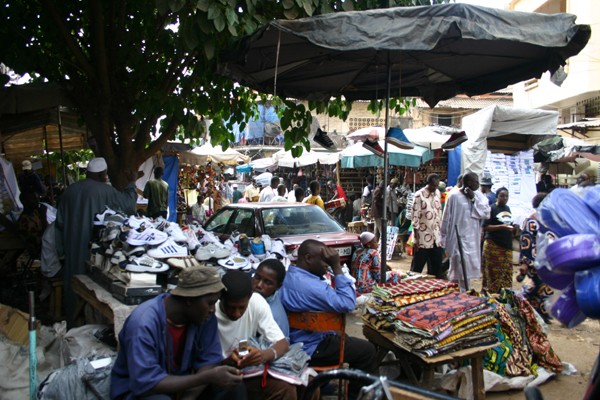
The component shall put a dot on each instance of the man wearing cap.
(29, 181)
(237, 195)
(169, 346)
(79, 203)
(486, 189)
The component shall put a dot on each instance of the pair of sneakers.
(394, 136)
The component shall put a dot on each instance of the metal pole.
(62, 153)
(32, 347)
(385, 176)
(50, 189)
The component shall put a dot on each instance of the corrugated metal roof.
(472, 103)
(584, 123)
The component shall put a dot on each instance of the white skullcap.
(97, 164)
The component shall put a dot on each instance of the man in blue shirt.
(305, 290)
(169, 345)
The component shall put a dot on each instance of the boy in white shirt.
(242, 314)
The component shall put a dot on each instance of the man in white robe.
(465, 211)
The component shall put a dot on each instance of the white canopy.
(230, 156)
(285, 158)
(497, 121)
(429, 136)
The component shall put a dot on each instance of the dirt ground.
(578, 346)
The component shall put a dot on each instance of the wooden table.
(100, 300)
(384, 342)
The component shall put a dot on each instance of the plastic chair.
(315, 321)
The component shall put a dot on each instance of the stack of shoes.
(455, 140)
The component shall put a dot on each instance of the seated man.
(267, 280)
(169, 345)
(305, 290)
(243, 315)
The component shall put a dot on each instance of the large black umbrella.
(433, 52)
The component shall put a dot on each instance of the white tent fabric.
(427, 136)
(285, 158)
(497, 121)
(264, 164)
(230, 156)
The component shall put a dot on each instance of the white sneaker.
(209, 237)
(99, 218)
(145, 264)
(160, 223)
(211, 251)
(167, 250)
(136, 251)
(110, 232)
(149, 236)
(175, 232)
(192, 239)
(137, 222)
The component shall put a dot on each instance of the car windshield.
(284, 221)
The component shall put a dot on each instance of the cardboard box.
(14, 324)
(123, 290)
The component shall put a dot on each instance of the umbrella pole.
(32, 347)
(385, 177)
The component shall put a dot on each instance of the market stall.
(499, 144)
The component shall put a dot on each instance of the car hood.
(331, 239)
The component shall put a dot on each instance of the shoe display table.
(100, 300)
(384, 342)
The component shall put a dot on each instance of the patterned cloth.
(438, 314)
(535, 291)
(543, 353)
(401, 301)
(417, 286)
(427, 217)
(496, 265)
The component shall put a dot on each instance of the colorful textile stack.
(444, 324)
(523, 344)
(389, 297)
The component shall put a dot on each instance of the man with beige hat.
(169, 346)
(29, 181)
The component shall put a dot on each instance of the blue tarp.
(454, 158)
(170, 176)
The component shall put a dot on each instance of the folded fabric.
(417, 286)
(436, 314)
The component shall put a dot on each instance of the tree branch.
(82, 61)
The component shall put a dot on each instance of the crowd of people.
(195, 339)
